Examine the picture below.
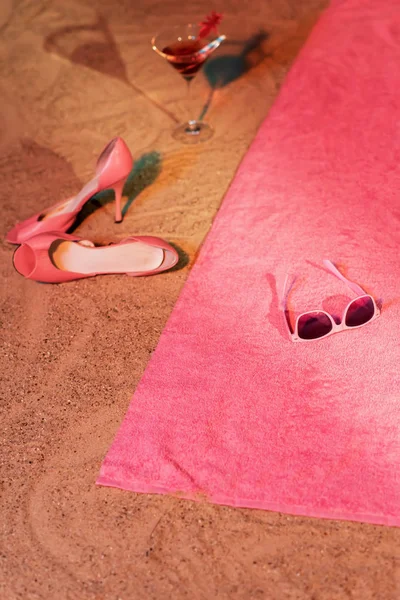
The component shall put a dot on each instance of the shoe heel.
(118, 187)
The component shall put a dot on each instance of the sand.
(73, 75)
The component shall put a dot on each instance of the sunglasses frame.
(336, 327)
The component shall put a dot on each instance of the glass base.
(193, 132)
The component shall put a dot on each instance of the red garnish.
(209, 24)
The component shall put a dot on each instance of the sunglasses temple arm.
(353, 286)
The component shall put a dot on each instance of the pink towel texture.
(229, 408)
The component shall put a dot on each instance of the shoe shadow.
(144, 172)
(25, 170)
(184, 258)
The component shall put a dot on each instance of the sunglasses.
(317, 324)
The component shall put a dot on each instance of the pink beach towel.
(229, 408)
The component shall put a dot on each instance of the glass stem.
(192, 125)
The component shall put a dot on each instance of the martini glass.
(186, 51)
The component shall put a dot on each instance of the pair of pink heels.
(50, 255)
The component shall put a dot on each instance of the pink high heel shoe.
(56, 257)
(113, 167)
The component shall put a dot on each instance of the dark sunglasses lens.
(313, 326)
(360, 311)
